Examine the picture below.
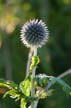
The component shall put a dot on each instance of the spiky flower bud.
(34, 33)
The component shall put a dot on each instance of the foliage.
(22, 91)
(55, 56)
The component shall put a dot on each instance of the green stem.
(59, 77)
(33, 104)
(29, 62)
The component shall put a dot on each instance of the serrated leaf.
(12, 84)
(25, 87)
(12, 94)
(8, 84)
(3, 83)
(23, 103)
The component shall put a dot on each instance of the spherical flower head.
(34, 33)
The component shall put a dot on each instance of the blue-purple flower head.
(34, 33)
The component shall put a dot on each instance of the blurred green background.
(55, 55)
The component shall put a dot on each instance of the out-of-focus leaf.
(26, 7)
(12, 93)
(35, 61)
(41, 80)
(23, 103)
(4, 84)
(25, 87)
(12, 84)
(45, 94)
(8, 84)
(65, 86)
(67, 2)
(12, 89)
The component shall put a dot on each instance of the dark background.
(55, 55)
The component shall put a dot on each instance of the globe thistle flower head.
(34, 33)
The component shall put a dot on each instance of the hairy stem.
(50, 83)
(29, 62)
(60, 76)
(33, 104)
(65, 73)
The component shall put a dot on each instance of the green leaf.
(8, 84)
(13, 94)
(3, 83)
(23, 103)
(25, 87)
(65, 86)
(35, 61)
(42, 82)
(12, 84)
(44, 94)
